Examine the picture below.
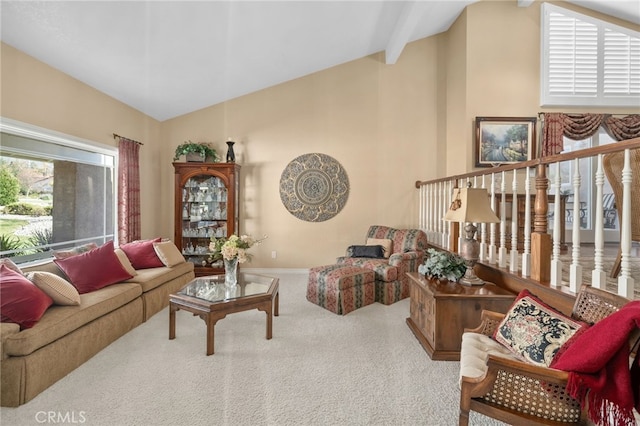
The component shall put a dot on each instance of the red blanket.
(598, 365)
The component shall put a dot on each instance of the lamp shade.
(471, 205)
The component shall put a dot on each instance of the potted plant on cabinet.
(196, 151)
(442, 265)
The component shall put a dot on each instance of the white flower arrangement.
(233, 247)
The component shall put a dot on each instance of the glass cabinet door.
(206, 207)
(204, 215)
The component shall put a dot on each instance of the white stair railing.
(448, 193)
(492, 227)
(502, 250)
(625, 281)
(483, 231)
(598, 276)
(436, 196)
(526, 255)
(556, 263)
(575, 277)
(513, 258)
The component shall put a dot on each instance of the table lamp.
(470, 205)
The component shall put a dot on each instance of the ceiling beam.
(525, 3)
(409, 17)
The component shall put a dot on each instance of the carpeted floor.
(365, 368)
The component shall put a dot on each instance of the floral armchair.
(405, 250)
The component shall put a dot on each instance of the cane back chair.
(521, 393)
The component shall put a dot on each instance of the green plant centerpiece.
(442, 265)
(202, 149)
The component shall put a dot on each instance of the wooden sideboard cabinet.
(440, 311)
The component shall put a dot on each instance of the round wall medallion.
(314, 187)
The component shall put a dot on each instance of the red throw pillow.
(94, 269)
(142, 254)
(21, 302)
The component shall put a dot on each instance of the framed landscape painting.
(504, 140)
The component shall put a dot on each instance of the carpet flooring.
(365, 368)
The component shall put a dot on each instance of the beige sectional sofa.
(67, 336)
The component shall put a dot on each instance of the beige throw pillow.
(126, 263)
(9, 264)
(65, 254)
(385, 243)
(168, 253)
(57, 288)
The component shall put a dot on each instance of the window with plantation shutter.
(587, 61)
(621, 64)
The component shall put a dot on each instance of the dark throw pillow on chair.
(376, 252)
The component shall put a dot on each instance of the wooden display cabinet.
(206, 205)
(440, 312)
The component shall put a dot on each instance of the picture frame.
(504, 140)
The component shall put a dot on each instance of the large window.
(57, 191)
(587, 191)
(587, 61)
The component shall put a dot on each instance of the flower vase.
(231, 272)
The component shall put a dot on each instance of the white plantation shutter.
(621, 64)
(573, 57)
(587, 62)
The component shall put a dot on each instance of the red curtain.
(581, 126)
(128, 191)
(553, 133)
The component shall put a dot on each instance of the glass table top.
(213, 289)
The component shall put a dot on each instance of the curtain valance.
(581, 126)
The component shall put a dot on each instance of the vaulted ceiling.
(168, 58)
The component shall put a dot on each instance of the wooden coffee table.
(211, 300)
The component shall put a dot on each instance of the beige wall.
(388, 125)
(455, 136)
(500, 43)
(34, 93)
(378, 121)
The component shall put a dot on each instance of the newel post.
(540, 239)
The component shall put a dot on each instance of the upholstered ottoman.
(341, 288)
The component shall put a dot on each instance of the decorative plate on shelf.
(314, 187)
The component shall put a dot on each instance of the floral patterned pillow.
(534, 331)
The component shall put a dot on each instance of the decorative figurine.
(231, 156)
